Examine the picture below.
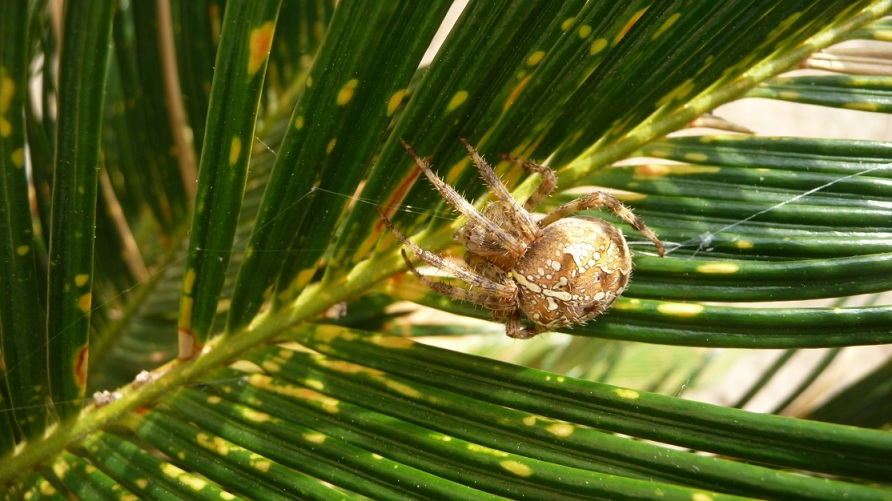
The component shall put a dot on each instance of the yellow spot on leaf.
(597, 46)
(680, 309)
(60, 469)
(213, 443)
(626, 393)
(516, 92)
(666, 25)
(861, 106)
(567, 23)
(260, 42)
(394, 342)
(261, 465)
(18, 157)
(404, 389)
(535, 57)
(186, 313)
(635, 17)
(351, 368)
(744, 244)
(331, 145)
(194, 483)
(299, 122)
(529, 420)
(584, 31)
(652, 170)
(189, 282)
(214, 399)
(23, 250)
(81, 280)
(561, 429)
(702, 496)
(85, 302)
(486, 450)
(696, 157)
(394, 102)
(142, 483)
(457, 100)
(883, 35)
(305, 276)
(7, 89)
(256, 416)
(235, 149)
(328, 333)
(517, 468)
(719, 268)
(788, 95)
(679, 93)
(316, 438)
(309, 82)
(346, 92)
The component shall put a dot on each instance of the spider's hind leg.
(514, 328)
(600, 199)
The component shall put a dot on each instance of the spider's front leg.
(597, 200)
(514, 244)
(519, 219)
(545, 187)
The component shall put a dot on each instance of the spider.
(559, 271)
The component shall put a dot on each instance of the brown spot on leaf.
(82, 365)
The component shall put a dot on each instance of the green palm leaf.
(297, 373)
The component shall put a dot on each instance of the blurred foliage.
(192, 187)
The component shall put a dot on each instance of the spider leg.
(492, 302)
(461, 272)
(601, 199)
(521, 219)
(545, 187)
(506, 240)
(514, 329)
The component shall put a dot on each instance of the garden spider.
(559, 272)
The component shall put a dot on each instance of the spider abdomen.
(574, 272)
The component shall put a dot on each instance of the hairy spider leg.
(600, 199)
(546, 186)
(521, 219)
(515, 329)
(504, 293)
(492, 302)
(509, 242)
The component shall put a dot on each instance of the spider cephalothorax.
(559, 271)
